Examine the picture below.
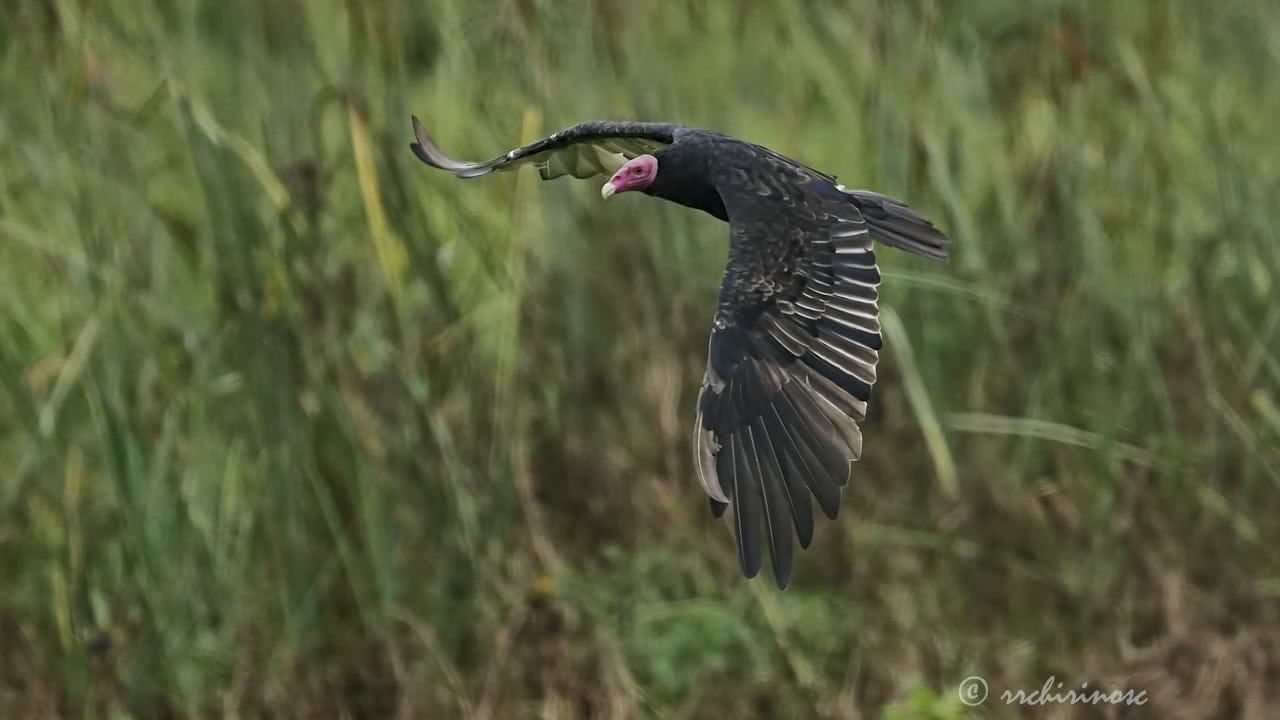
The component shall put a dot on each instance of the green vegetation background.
(292, 426)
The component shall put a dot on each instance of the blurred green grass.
(291, 426)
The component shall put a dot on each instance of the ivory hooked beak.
(608, 190)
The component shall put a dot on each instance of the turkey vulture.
(796, 333)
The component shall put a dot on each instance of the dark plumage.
(796, 334)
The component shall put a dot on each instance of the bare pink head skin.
(637, 174)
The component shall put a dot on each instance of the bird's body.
(795, 336)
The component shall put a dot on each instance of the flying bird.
(796, 333)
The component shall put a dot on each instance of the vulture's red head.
(637, 174)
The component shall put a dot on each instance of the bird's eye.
(635, 171)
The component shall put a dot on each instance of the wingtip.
(419, 153)
(424, 145)
(428, 152)
(782, 564)
(780, 561)
(426, 149)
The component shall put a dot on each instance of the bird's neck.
(703, 198)
(683, 179)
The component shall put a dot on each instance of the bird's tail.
(896, 225)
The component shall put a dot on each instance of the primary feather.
(796, 334)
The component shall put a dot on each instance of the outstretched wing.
(584, 150)
(785, 387)
(791, 362)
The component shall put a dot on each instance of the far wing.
(582, 151)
